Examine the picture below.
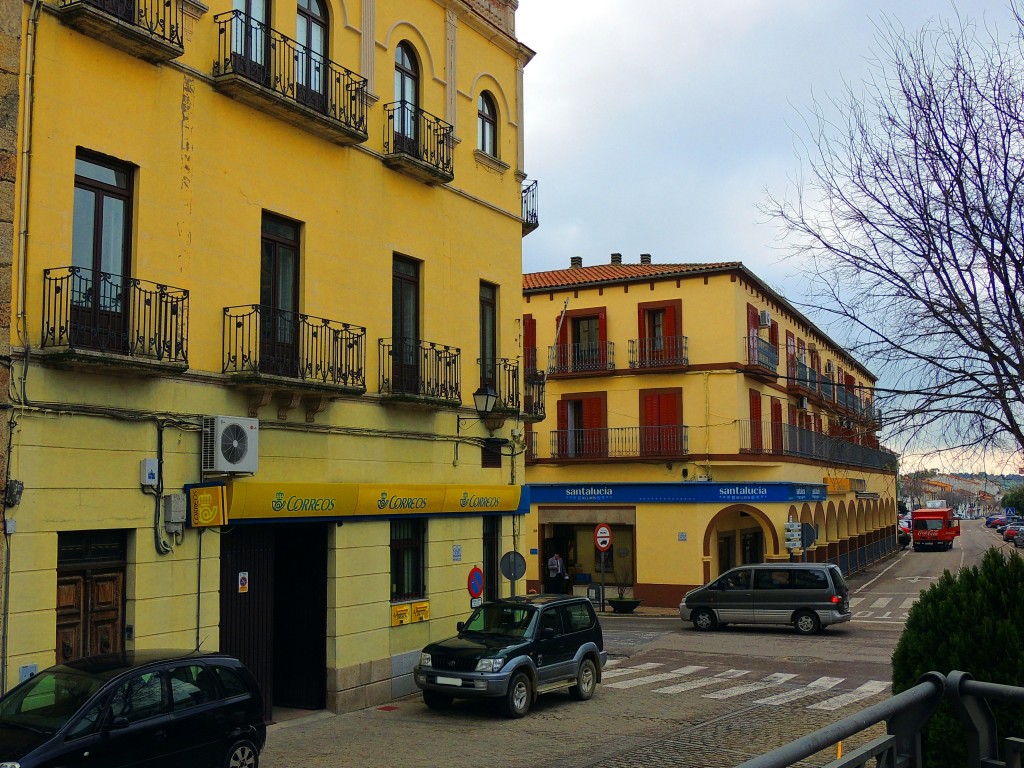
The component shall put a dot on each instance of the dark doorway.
(405, 326)
(279, 297)
(726, 552)
(492, 554)
(273, 599)
(752, 546)
(90, 593)
(564, 542)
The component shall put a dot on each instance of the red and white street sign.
(603, 537)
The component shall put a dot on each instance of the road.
(671, 696)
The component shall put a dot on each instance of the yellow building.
(695, 412)
(264, 256)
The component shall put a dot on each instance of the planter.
(623, 604)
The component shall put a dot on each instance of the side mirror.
(115, 724)
(460, 626)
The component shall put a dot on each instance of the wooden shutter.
(562, 439)
(595, 436)
(529, 343)
(602, 335)
(776, 425)
(755, 421)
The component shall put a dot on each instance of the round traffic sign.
(603, 537)
(475, 584)
(512, 565)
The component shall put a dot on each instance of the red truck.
(934, 526)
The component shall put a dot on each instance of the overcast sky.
(659, 126)
(656, 126)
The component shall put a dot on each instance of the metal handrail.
(418, 368)
(160, 18)
(658, 352)
(409, 130)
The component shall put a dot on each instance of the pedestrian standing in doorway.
(556, 574)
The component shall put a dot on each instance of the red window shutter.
(755, 421)
(773, 334)
(668, 405)
(792, 415)
(650, 419)
(596, 436)
(776, 425)
(562, 408)
(562, 355)
(752, 322)
(602, 334)
(671, 321)
(530, 342)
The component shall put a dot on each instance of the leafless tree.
(911, 217)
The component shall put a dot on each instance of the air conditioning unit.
(830, 367)
(803, 404)
(230, 444)
(764, 318)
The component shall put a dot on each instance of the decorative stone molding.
(501, 13)
(490, 161)
(194, 9)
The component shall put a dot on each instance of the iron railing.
(409, 130)
(658, 352)
(773, 437)
(801, 376)
(828, 389)
(761, 352)
(620, 442)
(905, 716)
(581, 358)
(115, 314)
(252, 50)
(502, 375)
(420, 369)
(162, 19)
(530, 209)
(533, 394)
(265, 340)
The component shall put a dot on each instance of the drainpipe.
(22, 326)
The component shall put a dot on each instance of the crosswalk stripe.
(630, 670)
(772, 680)
(612, 663)
(704, 682)
(870, 688)
(881, 602)
(855, 601)
(907, 604)
(816, 686)
(657, 678)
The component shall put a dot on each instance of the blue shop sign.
(674, 493)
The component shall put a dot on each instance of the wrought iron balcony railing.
(262, 340)
(588, 357)
(420, 369)
(828, 389)
(85, 309)
(761, 352)
(772, 437)
(534, 386)
(530, 210)
(800, 376)
(658, 352)
(502, 375)
(620, 442)
(149, 29)
(418, 142)
(288, 75)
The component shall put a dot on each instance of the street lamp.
(484, 400)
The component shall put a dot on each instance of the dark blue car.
(153, 708)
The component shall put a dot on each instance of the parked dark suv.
(514, 650)
(155, 708)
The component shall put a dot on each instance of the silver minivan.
(807, 595)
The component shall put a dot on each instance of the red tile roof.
(612, 273)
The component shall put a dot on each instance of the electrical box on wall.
(175, 507)
(148, 472)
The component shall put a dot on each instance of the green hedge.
(973, 621)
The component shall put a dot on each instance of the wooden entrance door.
(90, 613)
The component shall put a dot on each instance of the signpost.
(603, 542)
(799, 536)
(475, 585)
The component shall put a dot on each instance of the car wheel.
(586, 681)
(704, 620)
(243, 754)
(807, 623)
(520, 692)
(436, 700)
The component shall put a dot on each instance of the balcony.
(148, 29)
(296, 358)
(417, 143)
(530, 219)
(420, 372)
(100, 318)
(585, 357)
(776, 438)
(661, 352)
(762, 356)
(662, 442)
(801, 379)
(534, 385)
(262, 68)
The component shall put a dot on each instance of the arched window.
(311, 34)
(407, 78)
(487, 125)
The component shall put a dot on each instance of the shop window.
(408, 547)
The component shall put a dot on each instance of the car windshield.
(46, 701)
(928, 524)
(501, 619)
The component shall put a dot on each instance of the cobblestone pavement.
(619, 727)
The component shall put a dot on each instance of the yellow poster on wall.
(207, 505)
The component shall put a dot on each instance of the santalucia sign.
(255, 501)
